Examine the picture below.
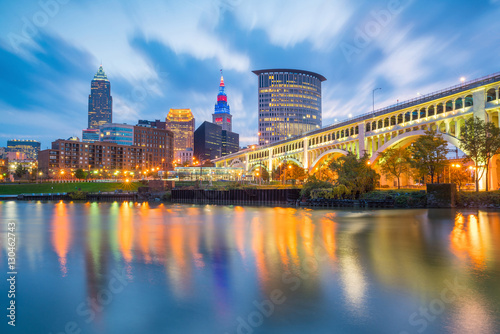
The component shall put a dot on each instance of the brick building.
(153, 148)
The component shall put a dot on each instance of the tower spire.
(222, 115)
(221, 79)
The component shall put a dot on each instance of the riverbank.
(49, 187)
(246, 195)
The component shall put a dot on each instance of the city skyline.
(403, 48)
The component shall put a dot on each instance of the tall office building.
(100, 101)
(208, 142)
(289, 103)
(222, 115)
(30, 148)
(181, 123)
(230, 142)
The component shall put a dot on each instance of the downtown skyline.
(168, 55)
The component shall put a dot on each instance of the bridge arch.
(407, 137)
(237, 163)
(254, 167)
(323, 155)
(289, 159)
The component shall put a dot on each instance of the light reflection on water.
(205, 269)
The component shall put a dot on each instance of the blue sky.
(167, 54)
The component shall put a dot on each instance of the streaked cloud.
(167, 54)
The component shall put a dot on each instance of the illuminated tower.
(100, 101)
(221, 115)
(289, 103)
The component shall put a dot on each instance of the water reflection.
(473, 237)
(61, 234)
(225, 258)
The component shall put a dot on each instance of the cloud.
(290, 22)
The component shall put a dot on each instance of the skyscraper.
(221, 115)
(100, 101)
(181, 123)
(289, 103)
(208, 142)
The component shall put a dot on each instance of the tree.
(296, 173)
(429, 154)
(20, 171)
(356, 174)
(264, 174)
(458, 175)
(480, 141)
(394, 162)
(80, 174)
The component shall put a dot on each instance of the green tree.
(312, 183)
(80, 174)
(20, 171)
(480, 141)
(458, 175)
(394, 162)
(356, 174)
(429, 154)
(264, 174)
(295, 173)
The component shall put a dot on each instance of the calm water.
(142, 268)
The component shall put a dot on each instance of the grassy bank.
(16, 189)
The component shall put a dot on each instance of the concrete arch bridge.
(445, 111)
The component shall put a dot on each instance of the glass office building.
(121, 134)
(29, 147)
(289, 103)
(230, 142)
(208, 142)
(90, 135)
(100, 101)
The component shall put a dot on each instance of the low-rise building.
(184, 156)
(152, 149)
(29, 147)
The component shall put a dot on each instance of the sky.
(168, 54)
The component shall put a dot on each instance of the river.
(165, 268)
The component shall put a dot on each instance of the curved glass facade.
(289, 103)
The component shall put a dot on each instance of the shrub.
(478, 199)
(337, 192)
(167, 196)
(78, 195)
(313, 183)
(402, 199)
